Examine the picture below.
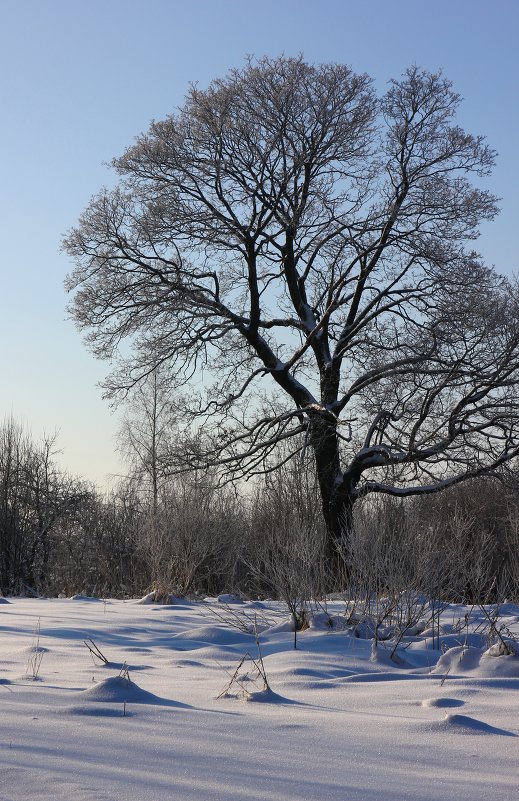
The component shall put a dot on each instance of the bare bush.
(464, 534)
(385, 567)
(189, 543)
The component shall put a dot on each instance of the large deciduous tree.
(299, 249)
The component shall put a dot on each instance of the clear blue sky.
(80, 78)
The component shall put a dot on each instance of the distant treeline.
(59, 536)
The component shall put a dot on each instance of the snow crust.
(341, 719)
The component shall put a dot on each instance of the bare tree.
(36, 498)
(146, 434)
(301, 246)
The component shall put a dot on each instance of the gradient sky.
(79, 79)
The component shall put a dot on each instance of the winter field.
(342, 720)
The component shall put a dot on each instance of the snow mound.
(161, 598)
(279, 628)
(492, 666)
(215, 654)
(85, 598)
(228, 598)
(442, 702)
(266, 696)
(214, 635)
(493, 663)
(503, 647)
(309, 672)
(459, 661)
(323, 621)
(119, 689)
(470, 725)
(147, 599)
(183, 663)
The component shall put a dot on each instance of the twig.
(95, 651)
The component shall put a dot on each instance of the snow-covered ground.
(342, 722)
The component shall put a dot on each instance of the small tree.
(302, 245)
(146, 434)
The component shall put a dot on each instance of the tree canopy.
(298, 251)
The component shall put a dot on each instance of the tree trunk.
(337, 498)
